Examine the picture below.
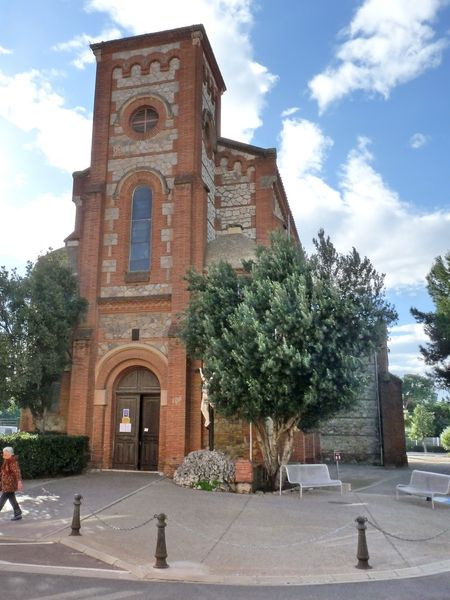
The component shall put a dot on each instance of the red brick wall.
(392, 421)
(306, 448)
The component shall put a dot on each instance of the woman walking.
(11, 482)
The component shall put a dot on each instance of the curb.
(197, 573)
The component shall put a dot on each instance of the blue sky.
(354, 94)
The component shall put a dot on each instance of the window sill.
(137, 276)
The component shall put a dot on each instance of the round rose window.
(144, 119)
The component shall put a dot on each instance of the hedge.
(48, 455)
(419, 448)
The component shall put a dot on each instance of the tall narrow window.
(141, 229)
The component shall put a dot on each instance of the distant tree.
(286, 344)
(418, 389)
(441, 412)
(421, 390)
(445, 438)
(12, 310)
(40, 311)
(422, 424)
(437, 324)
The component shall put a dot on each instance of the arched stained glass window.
(141, 229)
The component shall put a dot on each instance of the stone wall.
(236, 200)
(356, 432)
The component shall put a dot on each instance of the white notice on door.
(125, 427)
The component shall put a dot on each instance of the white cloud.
(54, 214)
(418, 140)
(363, 211)
(409, 333)
(4, 50)
(407, 363)
(28, 101)
(290, 111)
(310, 154)
(401, 242)
(228, 24)
(10, 177)
(404, 355)
(80, 45)
(388, 43)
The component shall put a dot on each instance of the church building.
(164, 192)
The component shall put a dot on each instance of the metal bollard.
(161, 551)
(362, 553)
(76, 526)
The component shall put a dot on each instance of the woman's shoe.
(17, 517)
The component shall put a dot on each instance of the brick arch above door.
(138, 380)
(118, 360)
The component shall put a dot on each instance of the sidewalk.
(231, 538)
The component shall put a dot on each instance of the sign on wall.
(125, 423)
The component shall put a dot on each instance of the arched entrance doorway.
(136, 438)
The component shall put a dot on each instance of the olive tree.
(285, 344)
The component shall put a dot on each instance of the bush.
(439, 449)
(206, 486)
(48, 455)
(207, 470)
(410, 445)
(445, 438)
(419, 448)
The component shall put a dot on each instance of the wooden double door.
(136, 439)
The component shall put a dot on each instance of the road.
(17, 586)
(46, 554)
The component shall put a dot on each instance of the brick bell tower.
(164, 192)
(142, 221)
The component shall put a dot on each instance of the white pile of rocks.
(209, 467)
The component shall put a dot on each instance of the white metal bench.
(308, 476)
(425, 483)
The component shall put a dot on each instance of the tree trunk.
(275, 439)
(44, 421)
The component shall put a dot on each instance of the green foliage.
(207, 486)
(418, 389)
(289, 339)
(441, 411)
(12, 310)
(291, 336)
(11, 413)
(445, 438)
(421, 390)
(422, 423)
(37, 315)
(437, 324)
(48, 455)
(412, 447)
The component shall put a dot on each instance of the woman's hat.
(9, 449)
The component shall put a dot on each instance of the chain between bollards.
(362, 553)
(76, 525)
(161, 550)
